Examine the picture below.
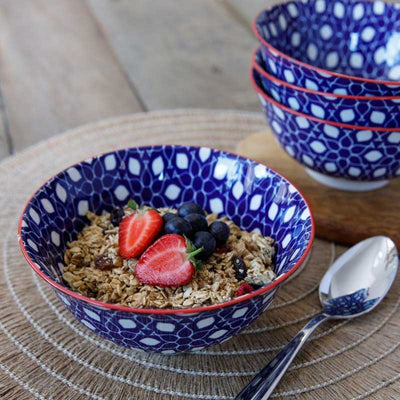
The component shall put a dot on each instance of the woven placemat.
(46, 354)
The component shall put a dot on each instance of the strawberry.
(168, 262)
(244, 288)
(138, 231)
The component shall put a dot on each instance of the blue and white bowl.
(342, 156)
(251, 194)
(374, 112)
(340, 46)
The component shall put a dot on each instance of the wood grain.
(57, 71)
(247, 10)
(343, 217)
(5, 145)
(181, 53)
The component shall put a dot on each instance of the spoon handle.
(264, 383)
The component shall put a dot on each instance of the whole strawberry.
(170, 261)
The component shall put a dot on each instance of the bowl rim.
(310, 117)
(274, 79)
(304, 64)
(168, 311)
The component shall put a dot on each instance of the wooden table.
(69, 62)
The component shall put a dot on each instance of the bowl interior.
(253, 196)
(357, 38)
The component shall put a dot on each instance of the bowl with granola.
(166, 248)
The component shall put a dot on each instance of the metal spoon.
(355, 284)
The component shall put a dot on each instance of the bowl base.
(346, 184)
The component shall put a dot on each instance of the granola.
(94, 268)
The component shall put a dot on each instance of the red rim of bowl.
(272, 78)
(324, 71)
(157, 311)
(310, 117)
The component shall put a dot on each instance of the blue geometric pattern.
(168, 333)
(356, 154)
(351, 304)
(166, 176)
(361, 112)
(356, 38)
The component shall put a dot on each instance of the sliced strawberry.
(168, 262)
(137, 232)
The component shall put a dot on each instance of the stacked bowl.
(328, 77)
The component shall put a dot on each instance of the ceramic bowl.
(342, 156)
(375, 112)
(251, 194)
(339, 46)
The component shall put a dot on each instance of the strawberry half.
(168, 262)
(137, 232)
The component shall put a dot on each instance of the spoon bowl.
(359, 279)
(353, 285)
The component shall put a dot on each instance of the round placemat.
(46, 354)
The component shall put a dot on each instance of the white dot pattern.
(134, 166)
(121, 192)
(110, 163)
(328, 149)
(340, 35)
(377, 113)
(182, 161)
(74, 174)
(172, 192)
(157, 166)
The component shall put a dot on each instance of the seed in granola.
(239, 267)
(257, 280)
(222, 249)
(116, 216)
(103, 263)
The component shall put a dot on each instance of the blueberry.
(116, 216)
(206, 241)
(197, 221)
(220, 230)
(168, 216)
(190, 208)
(178, 225)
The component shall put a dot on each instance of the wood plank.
(5, 145)
(181, 53)
(57, 71)
(248, 10)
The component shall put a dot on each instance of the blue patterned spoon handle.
(264, 383)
